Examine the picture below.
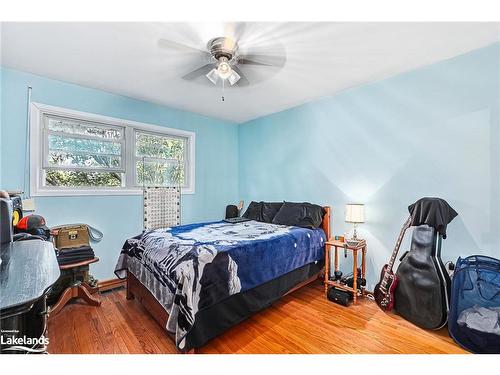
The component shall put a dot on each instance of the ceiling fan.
(224, 63)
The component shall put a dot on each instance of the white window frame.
(37, 148)
(185, 161)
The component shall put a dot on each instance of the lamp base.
(355, 234)
(354, 240)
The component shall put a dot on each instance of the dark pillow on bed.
(304, 215)
(254, 211)
(269, 210)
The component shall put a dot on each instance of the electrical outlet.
(29, 204)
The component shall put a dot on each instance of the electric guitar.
(384, 290)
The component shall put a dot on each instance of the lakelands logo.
(11, 340)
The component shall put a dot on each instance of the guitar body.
(385, 299)
(384, 290)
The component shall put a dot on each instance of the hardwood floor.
(302, 322)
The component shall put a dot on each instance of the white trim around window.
(38, 147)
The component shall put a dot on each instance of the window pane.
(63, 143)
(74, 127)
(153, 173)
(82, 179)
(157, 146)
(83, 160)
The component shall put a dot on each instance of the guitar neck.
(396, 249)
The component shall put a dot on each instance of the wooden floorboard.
(302, 322)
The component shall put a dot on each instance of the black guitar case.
(423, 290)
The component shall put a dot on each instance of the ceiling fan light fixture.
(223, 68)
(233, 77)
(213, 76)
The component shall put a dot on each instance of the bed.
(198, 280)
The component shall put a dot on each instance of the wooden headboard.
(325, 224)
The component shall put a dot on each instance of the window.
(159, 159)
(75, 153)
(80, 153)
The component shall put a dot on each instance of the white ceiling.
(322, 58)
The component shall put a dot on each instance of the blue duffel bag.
(474, 317)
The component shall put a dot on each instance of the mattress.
(191, 268)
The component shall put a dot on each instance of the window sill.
(93, 192)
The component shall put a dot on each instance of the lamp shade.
(355, 213)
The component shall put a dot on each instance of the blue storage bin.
(475, 298)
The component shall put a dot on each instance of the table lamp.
(355, 213)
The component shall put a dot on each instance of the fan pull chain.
(223, 89)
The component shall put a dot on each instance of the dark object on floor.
(435, 212)
(337, 275)
(423, 289)
(232, 211)
(361, 282)
(474, 321)
(339, 296)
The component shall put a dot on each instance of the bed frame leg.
(129, 294)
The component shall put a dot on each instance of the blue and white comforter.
(191, 267)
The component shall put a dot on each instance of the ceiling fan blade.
(243, 81)
(239, 29)
(251, 62)
(268, 60)
(180, 47)
(198, 72)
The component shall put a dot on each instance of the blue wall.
(118, 217)
(429, 132)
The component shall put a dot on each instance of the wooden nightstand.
(354, 249)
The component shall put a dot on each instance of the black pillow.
(254, 211)
(269, 210)
(304, 215)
